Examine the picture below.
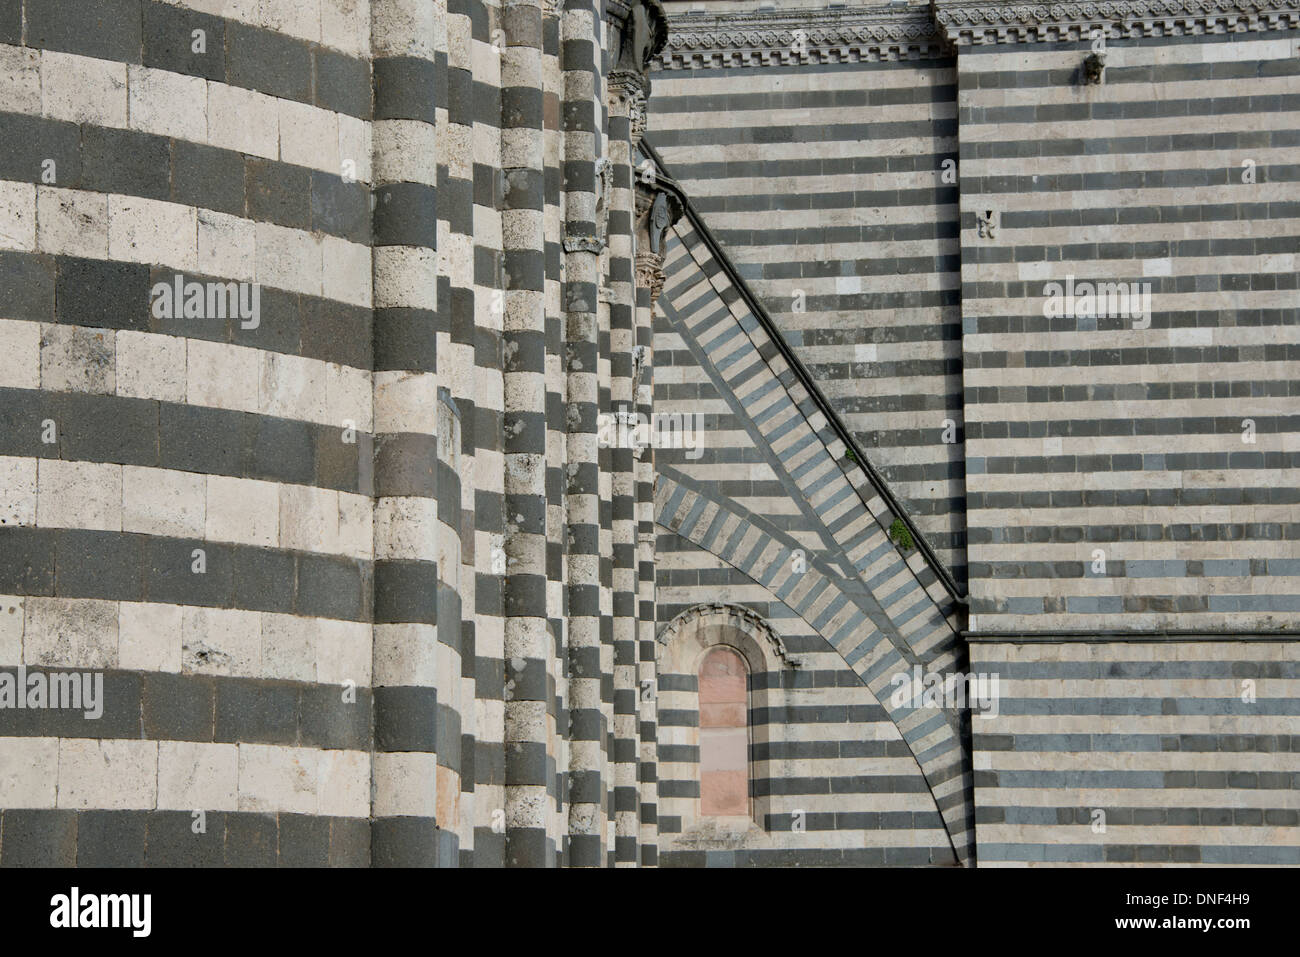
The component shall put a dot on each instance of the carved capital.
(638, 30)
(650, 274)
(627, 97)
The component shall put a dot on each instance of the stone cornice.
(981, 22)
(867, 34)
(770, 37)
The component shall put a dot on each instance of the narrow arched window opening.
(724, 734)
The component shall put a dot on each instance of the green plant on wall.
(900, 535)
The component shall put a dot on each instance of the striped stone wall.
(765, 511)
(1133, 472)
(187, 502)
(817, 159)
(1114, 752)
(359, 578)
(832, 781)
(318, 555)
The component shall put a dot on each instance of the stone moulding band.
(981, 23)
(764, 38)
(856, 35)
(1120, 637)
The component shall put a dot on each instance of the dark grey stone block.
(265, 580)
(304, 841)
(253, 711)
(350, 842)
(406, 214)
(405, 464)
(27, 286)
(11, 22)
(38, 838)
(31, 140)
(106, 29)
(327, 721)
(125, 161)
(26, 561)
(405, 339)
(329, 587)
(343, 465)
(177, 707)
(336, 332)
(171, 841)
(102, 295)
(406, 591)
(91, 564)
(208, 177)
(525, 763)
(252, 840)
(280, 326)
(281, 450)
(196, 439)
(97, 428)
(170, 578)
(169, 41)
(340, 208)
(406, 719)
(529, 847)
(268, 62)
(342, 83)
(111, 838)
(406, 88)
(279, 193)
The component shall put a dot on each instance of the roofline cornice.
(790, 37)
(984, 22)
(745, 38)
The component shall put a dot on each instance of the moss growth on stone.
(900, 535)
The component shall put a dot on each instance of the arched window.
(724, 733)
(719, 663)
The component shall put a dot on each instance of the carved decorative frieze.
(768, 37)
(867, 34)
(977, 22)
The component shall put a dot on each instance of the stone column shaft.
(626, 118)
(407, 536)
(582, 244)
(528, 650)
(649, 281)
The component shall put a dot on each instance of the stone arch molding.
(761, 646)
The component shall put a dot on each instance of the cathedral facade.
(635, 433)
